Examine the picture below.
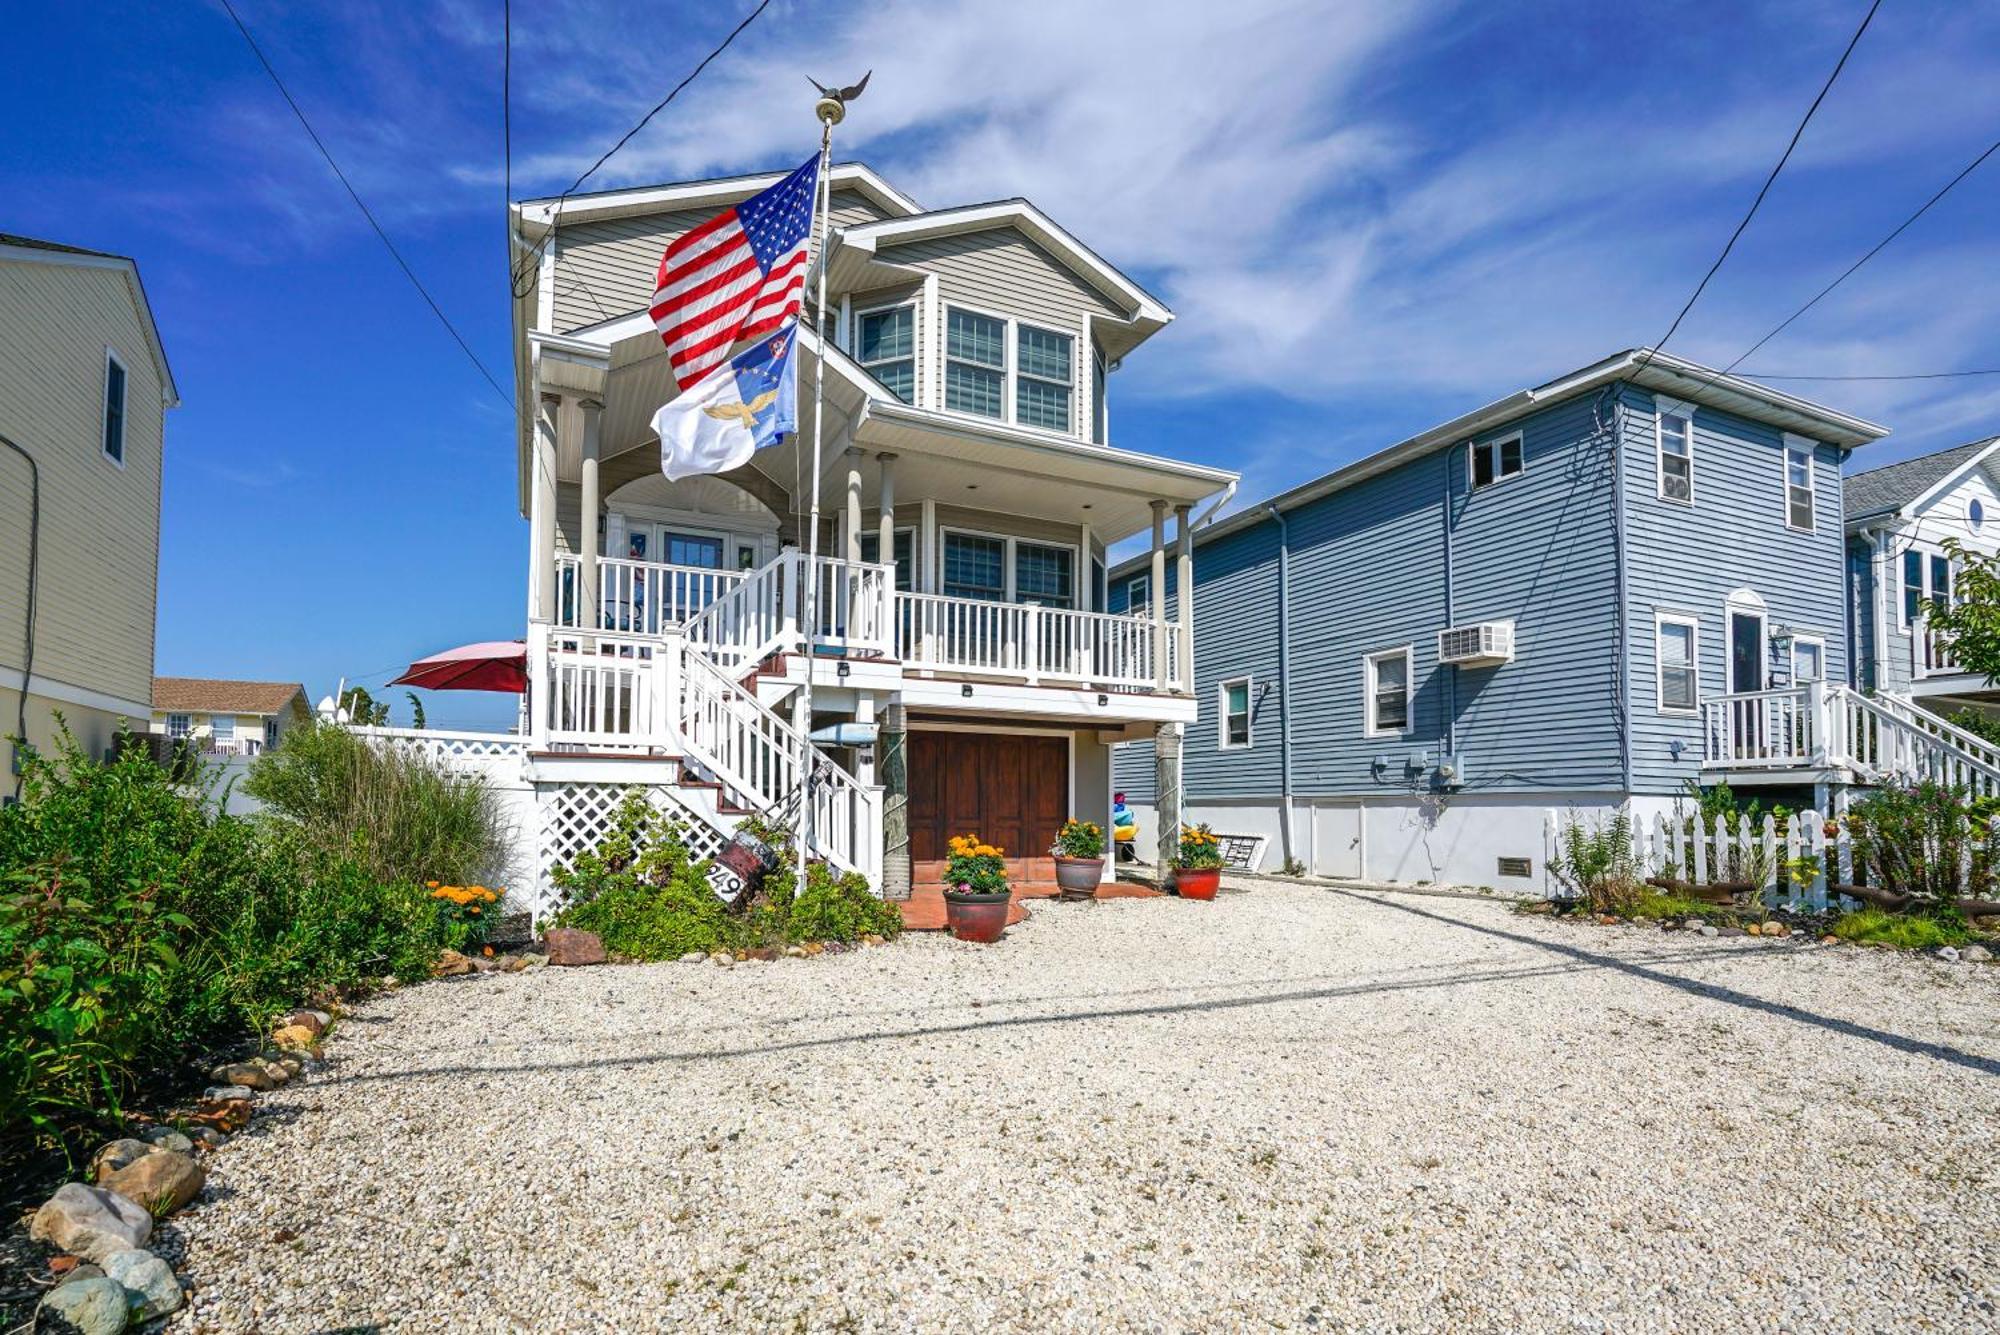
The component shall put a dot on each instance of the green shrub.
(1926, 841)
(403, 816)
(1913, 931)
(648, 898)
(1593, 862)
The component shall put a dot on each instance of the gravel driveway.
(1294, 1107)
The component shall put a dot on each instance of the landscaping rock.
(534, 961)
(279, 1075)
(1709, 931)
(1829, 940)
(1753, 929)
(228, 1094)
(207, 1137)
(148, 1282)
(94, 1306)
(571, 947)
(75, 1270)
(480, 964)
(118, 1154)
(317, 1021)
(162, 1182)
(250, 1075)
(1975, 954)
(291, 1066)
(1949, 954)
(513, 963)
(90, 1221)
(296, 1038)
(795, 952)
(695, 957)
(873, 940)
(723, 958)
(1607, 920)
(450, 964)
(167, 1138)
(765, 953)
(1693, 925)
(1726, 931)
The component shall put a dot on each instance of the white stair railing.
(1883, 738)
(757, 617)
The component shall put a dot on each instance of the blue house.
(1578, 597)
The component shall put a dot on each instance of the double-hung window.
(975, 566)
(1139, 596)
(1799, 484)
(886, 346)
(975, 363)
(1493, 460)
(1043, 376)
(1676, 451)
(1044, 574)
(1233, 704)
(1386, 693)
(1676, 647)
(223, 728)
(1926, 579)
(114, 408)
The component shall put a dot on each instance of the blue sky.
(1368, 218)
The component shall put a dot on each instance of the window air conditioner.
(1482, 644)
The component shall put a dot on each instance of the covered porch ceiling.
(946, 457)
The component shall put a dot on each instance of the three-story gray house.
(1578, 597)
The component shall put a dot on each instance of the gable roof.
(1900, 486)
(1659, 371)
(216, 695)
(537, 215)
(34, 250)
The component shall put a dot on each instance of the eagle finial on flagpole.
(832, 104)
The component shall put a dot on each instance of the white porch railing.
(637, 597)
(610, 693)
(1825, 725)
(1930, 652)
(1036, 643)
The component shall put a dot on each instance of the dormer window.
(975, 367)
(886, 346)
(1043, 378)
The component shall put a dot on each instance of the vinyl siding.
(1002, 271)
(100, 529)
(1690, 558)
(607, 269)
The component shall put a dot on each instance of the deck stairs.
(1826, 727)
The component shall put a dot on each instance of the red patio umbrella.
(490, 665)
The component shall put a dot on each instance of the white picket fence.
(1794, 865)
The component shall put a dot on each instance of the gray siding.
(1689, 558)
(1004, 272)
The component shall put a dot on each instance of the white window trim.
(1222, 742)
(1663, 408)
(1693, 623)
(1012, 540)
(1472, 482)
(945, 359)
(1408, 654)
(915, 556)
(111, 358)
(1139, 606)
(1818, 642)
(1746, 604)
(187, 725)
(1014, 333)
(916, 342)
(1799, 443)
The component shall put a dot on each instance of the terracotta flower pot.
(974, 917)
(1079, 877)
(1197, 882)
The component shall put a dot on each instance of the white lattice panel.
(577, 816)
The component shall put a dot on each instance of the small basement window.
(1496, 460)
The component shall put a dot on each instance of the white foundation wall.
(1405, 838)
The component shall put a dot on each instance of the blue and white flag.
(740, 407)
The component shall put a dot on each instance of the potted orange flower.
(1079, 855)
(976, 894)
(1198, 866)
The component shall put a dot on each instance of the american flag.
(738, 276)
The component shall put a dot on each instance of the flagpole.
(830, 111)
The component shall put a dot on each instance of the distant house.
(1580, 597)
(84, 388)
(1898, 519)
(242, 718)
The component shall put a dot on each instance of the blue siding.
(1689, 558)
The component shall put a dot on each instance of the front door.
(1008, 789)
(1746, 673)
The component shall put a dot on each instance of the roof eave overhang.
(537, 216)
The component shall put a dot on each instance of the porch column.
(1167, 794)
(885, 522)
(853, 504)
(1183, 636)
(894, 767)
(542, 512)
(1159, 583)
(589, 610)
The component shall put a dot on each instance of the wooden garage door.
(1009, 790)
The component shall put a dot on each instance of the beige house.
(229, 718)
(84, 388)
(965, 675)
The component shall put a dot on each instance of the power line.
(359, 204)
(1756, 203)
(1970, 168)
(524, 271)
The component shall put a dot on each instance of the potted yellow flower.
(1079, 855)
(976, 893)
(1198, 866)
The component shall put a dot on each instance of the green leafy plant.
(1594, 863)
(1200, 850)
(974, 867)
(1079, 839)
(1902, 930)
(1925, 842)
